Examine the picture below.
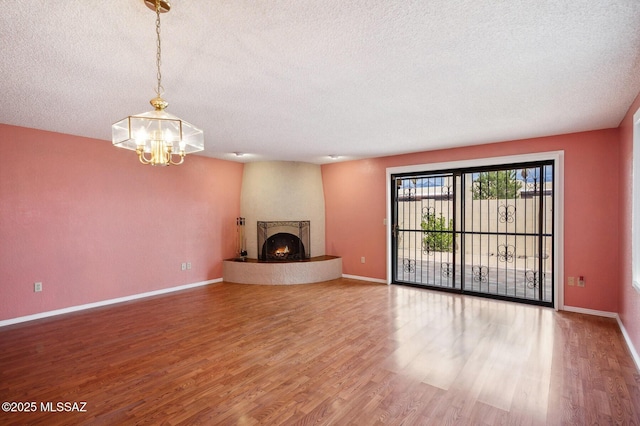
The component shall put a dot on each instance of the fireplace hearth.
(283, 241)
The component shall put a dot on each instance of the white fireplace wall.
(283, 190)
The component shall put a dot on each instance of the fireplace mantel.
(253, 271)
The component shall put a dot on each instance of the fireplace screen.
(283, 240)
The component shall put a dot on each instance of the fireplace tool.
(241, 240)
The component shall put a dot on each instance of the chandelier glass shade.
(159, 138)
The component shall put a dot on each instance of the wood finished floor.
(341, 352)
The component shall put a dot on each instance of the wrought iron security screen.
(423, 231)
(485, 231)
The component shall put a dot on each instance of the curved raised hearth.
(252, 271)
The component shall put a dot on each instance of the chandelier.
(159, 138)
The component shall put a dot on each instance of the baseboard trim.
(357, 277)
(76, 308)
(627, 338)
(589, 311)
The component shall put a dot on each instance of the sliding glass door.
(485, 231)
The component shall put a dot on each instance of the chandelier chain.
(159, 89)
(158, 138)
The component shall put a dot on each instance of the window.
(635, 215)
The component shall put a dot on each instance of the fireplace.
(283, 241)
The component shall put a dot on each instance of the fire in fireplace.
(283, 246)
(283, 240)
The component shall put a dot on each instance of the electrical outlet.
(362, 259)
(184, 266)
(571, 281)
(188, 265)
(37, 287)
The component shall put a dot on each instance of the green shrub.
(435, 235)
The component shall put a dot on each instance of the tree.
(435, 235)
(501, 184)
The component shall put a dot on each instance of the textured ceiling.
(302, 79)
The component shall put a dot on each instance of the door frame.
(558, 213)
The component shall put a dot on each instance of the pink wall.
(355, 200)
(92, 223)
(629, 305)
(355, 206)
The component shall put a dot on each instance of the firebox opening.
(283, 246)
(284, 240)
